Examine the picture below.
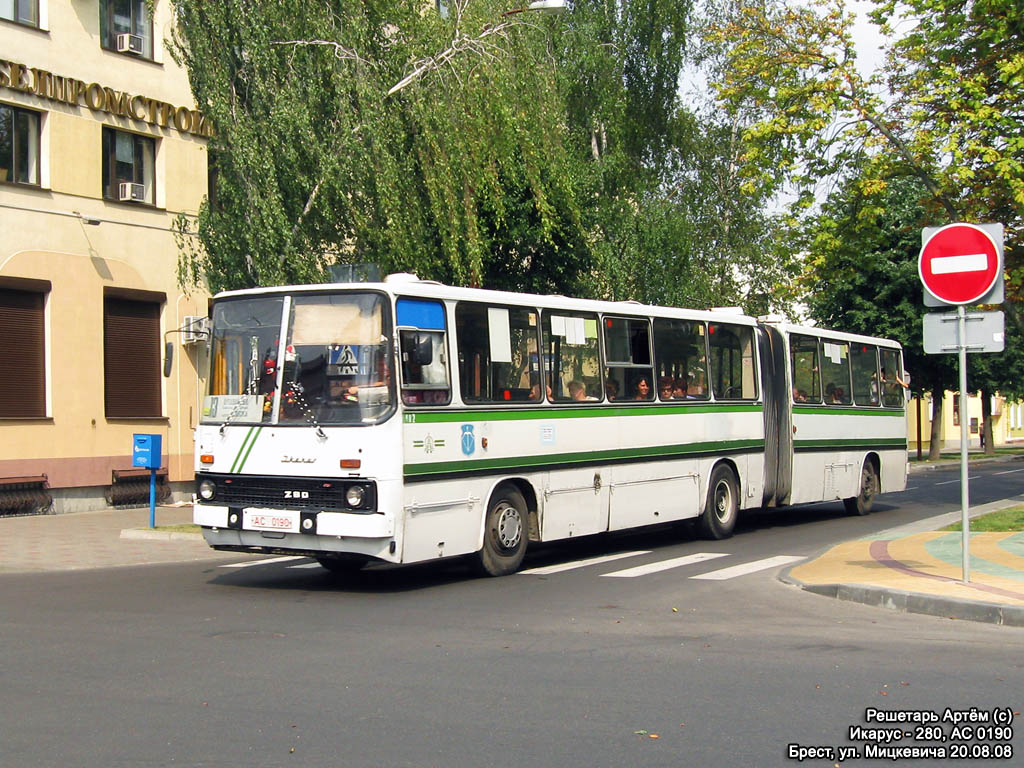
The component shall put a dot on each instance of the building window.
(131, 357)
(128, 161)
(19, 145)
(23, 378)
(21, 11)
(125, 26)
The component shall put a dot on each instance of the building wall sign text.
(68, 90)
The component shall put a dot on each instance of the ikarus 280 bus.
(406, 421)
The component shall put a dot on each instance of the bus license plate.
(270, 520)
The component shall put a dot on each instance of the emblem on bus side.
(468, 441)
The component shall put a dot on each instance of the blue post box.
(147, 451)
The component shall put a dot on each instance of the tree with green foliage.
(490, 146)
(373, 131)
(946, 109)
(862, 277)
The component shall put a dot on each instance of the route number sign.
(960, 264)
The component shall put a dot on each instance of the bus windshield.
(332, 367)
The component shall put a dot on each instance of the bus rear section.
(841, 417)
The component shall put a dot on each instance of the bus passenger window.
(732, 362)
(498, 354)
(804, 369)
(629, 374)
(680, 356)
(892, 378)
(835, 372)
(864, 366)
(572, 363)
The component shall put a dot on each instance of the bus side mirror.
(422, 352)
(168, 358)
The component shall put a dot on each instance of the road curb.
(152, 535)
(914, 602)
(914, 467)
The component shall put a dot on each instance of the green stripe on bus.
(254, 433)
(839, 443)
(581, 457)
(438, 417)
(259, 431)
(241, 450)
(845, 410)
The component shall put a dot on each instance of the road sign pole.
(964, 436)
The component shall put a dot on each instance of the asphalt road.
(279, 663)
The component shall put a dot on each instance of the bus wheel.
(861, 503)
(504, 533)
(343, 564)
(722, 506)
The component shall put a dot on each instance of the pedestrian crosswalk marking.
(742, 570)
(640, 570)
(664, 565)
(549, 569)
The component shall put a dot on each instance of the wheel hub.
(723, 502)
(509, 527)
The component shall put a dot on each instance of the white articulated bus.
(406, 421)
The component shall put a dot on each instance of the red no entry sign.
(959, 264)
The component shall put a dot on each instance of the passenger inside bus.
(643, 389)
(665, 388)
(578, 392)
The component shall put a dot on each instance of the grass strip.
(1005, 520)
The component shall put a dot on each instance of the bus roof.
(830, 335)
(430, 289)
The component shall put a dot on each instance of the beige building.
(1007, 422)
(101, 149)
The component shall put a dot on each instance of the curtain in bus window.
(732, 362)
(803, 363)
(498, 353)
(572, 363)
(627, 352)
(835, 372)
(680, 358)
(892, 373)
(864, 366)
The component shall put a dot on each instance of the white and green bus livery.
(406, 421)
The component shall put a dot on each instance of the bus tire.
(343, 565)
(862, 502)
(505, 533)
(722, 506)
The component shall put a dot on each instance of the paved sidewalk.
(83, 540)
(919, 569)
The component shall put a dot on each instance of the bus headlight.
(207, 490)
(355, 495)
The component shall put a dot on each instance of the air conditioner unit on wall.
(127, 191)
(129, 44)
(195, 329)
